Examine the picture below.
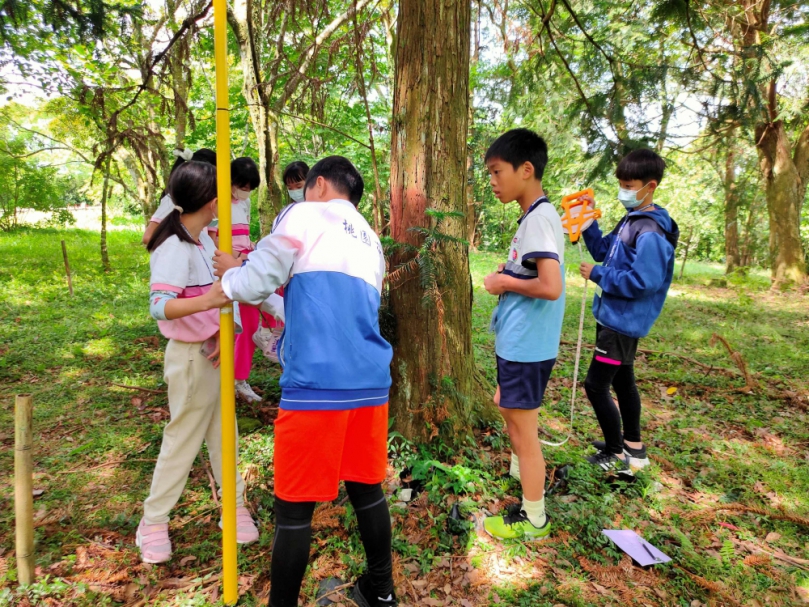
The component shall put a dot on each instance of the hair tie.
(177, 207)
(185, 154)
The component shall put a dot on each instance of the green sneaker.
(515, 525)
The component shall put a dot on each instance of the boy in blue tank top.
(527, 321)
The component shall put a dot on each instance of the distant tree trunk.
(376, 209)
(747, 254)
(433, 366)
(179, 64)
(471, 204)
(732, 257)
(105, 258)
(785, 178)
(245, 21)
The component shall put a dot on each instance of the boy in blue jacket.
(632, 282)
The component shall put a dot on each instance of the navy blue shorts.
(522, 385)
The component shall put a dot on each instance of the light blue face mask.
(296, 195)
(629, 198)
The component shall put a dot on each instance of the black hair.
(243, 171)
(295, 171)
(343, 175)
(191, 186)
(519, 146)
(642, 164)
(201, 155)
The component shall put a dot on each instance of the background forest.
(98, 97)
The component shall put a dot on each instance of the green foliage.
(26, 183)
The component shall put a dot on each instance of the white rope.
(578, 358)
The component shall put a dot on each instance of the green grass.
(716, 443)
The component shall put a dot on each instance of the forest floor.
(727, 497)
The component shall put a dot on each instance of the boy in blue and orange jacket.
(632, 283)
(333, 420)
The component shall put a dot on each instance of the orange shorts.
(315, 450)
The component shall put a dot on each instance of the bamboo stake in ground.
(23, 487)
(67, 268)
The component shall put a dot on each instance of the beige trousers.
(193, 387)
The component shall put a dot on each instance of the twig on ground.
(104, 465)
(702, 365)
(212, 481)
(149, 390)
(714, 587)
(781, 515)
(737, 358)
(331, 592)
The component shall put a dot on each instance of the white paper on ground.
(635, 546)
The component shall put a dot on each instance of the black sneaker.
(638, 458)
(611, 463)
(363, 595)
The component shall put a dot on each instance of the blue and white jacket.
(331, 261)
(638, 258)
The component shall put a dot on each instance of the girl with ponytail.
(166, 203)
(185, 300)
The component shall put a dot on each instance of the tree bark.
(785, 179)
(732, 257)
(471, 203)
(105, 258)
(433, 366)
(246, 25)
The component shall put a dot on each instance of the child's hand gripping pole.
(578, 214)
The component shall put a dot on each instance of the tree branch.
(186, 25)
(292, 84)
(8, 152)
(326, 126)
(546, 24)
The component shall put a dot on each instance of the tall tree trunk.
(785, 179)
(732, 257)
(105, 258)
(433, 366)
(246, 23)
(471, 204)
(377, 196)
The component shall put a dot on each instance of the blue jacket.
(638, 266)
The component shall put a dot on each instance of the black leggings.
(600, 377)
(293, 535)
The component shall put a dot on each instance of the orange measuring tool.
(577, 214)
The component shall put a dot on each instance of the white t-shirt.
(528, 329)
(240, 224)
(165, 207)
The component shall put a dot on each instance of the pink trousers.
(245, 346)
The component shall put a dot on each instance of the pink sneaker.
(154, 542)
(246, 530)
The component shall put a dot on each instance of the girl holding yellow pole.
(185, 300)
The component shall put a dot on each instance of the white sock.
(535, 511)
(514, 470)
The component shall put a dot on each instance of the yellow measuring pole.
(228, 397)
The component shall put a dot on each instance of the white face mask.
(629, 198)
(296, 195)
(215, 210)
(240, 194)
